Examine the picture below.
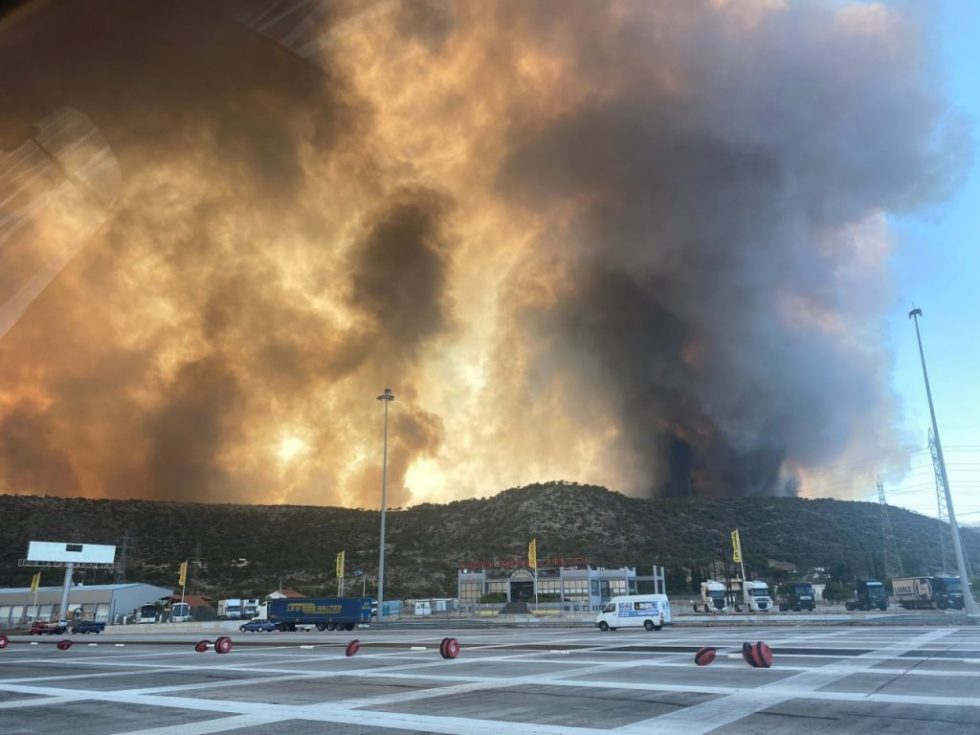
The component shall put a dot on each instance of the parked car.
(258, 626)
(40, 627)
(87, 626)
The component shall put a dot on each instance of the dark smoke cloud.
(398, 278)
(705, 204)
(640, 244)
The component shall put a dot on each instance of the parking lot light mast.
(969, 604)
(387, 397)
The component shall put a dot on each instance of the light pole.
(387, 397)
(968, 602)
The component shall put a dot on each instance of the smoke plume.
(639, 244)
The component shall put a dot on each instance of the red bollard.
(222, 644)
(449, 648)
(705, 655)
(758, 655)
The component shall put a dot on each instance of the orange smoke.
(557, 231)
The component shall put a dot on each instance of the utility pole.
(940, 501)
(893, 560)
(969, 604)
(387, 397)
(120, 575)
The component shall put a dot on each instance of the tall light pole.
(969, 604)
(387, 397)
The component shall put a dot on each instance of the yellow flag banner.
(182, 579)
(736, 547)
(35, 582)
(532, 554)
(341, 558)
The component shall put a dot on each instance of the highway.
(552, 681)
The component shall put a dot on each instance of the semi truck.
(796, 596)
(756, 596)
(651, 612)
(919, 593)
(870, 593)
(717, 596)
(326, 613)
(714, 597)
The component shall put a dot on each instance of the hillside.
(252, 549)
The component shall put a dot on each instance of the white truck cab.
(757, 596)
(633, 611)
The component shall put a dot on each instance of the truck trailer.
(919, 593)
(326, 613)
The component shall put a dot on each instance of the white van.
(632, 611)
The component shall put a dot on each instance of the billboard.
(62, 551)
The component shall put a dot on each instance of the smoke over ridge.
(639, 244)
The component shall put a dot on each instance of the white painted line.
(708, 716)
(204, 727)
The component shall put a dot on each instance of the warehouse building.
(568, 584)
(104, 602)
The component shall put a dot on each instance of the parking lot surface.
(551, 681)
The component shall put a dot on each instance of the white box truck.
(230, 609)
(652, 612)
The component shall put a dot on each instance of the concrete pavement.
(552, 681)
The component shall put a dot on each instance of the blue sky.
(936, 265)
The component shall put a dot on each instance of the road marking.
(439, 679)
(708, 716)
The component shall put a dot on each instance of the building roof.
(92, 587)
(193, 600)
(286, 592)
(84, 594)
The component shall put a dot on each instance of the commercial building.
(567, 584)
(104, 602)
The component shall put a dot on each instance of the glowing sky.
(646, 245)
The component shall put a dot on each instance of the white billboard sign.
(62, 551)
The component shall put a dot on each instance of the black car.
(260, 626)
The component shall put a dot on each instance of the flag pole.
(35, 583)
